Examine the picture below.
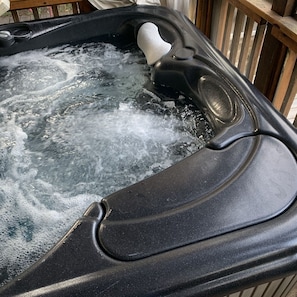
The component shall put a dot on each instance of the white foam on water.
(71, 132)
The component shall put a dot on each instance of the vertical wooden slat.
(228, 29)
(55, 10)
(285, 78)
(284, 7)
(288, 75)
(35, 13)
(222, 24)
(255, 52)
(270, 64)
(192, 11)
(290, 94)
(74, 8)
(276, 74)
(204, 16)
(245, 48)
(209, 18)
(15, 16)
(240, 17)
(84, 7)
(200, 15)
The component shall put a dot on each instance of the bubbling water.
(76, 124)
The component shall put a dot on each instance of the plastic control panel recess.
(221, 220)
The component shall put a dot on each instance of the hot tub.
(220, 221)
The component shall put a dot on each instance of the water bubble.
(76, 124)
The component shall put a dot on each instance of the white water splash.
(72, 131)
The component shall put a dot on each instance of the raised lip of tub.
(246, 255)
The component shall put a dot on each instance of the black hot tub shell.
(229, 226)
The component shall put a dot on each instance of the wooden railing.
(22, 10)
(259, 41)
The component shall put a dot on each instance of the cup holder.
(16, 33)
(21, 33)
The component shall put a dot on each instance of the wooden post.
(284, 7)
(270, 64)
(222, 24)
(85, 7)
(287, 82)
(285, 79)
(255, 52)
(204, 16)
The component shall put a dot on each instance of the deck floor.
(293, 293)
